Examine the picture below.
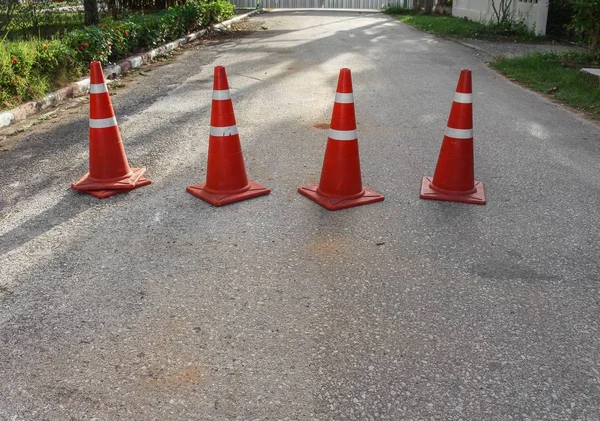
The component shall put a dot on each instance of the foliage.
(32, 20)
(29, 69)
(557, 74)
(502, 10)
(452, 26)
(7, 9)
(88, 44)
(560, 13)
(398, 10)
(586, 21)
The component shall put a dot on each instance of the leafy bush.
(29, 69)
(398, 10)
(586, 21)
(216, 11)
(33, 20)
(89, 44)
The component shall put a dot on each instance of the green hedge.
(30, 69)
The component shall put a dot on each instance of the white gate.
(320, 4)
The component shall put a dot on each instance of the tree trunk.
(90, 8)
(439, 7)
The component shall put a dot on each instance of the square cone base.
(127, 183)
(333, 204)
(476, 198)
(220, 199)
(103, 194)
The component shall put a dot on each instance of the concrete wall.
(534, 13)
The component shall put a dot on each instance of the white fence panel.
(245, 4)
(321, 4)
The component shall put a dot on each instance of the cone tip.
(345, 81)
(96, 72)
(464, 82)
(220, 75)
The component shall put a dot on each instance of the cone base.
(220, 199)
(103, 194)
(333, 204)
(126, 183)
(476, 198)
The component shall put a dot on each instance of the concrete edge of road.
(82, 87)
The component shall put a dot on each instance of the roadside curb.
(82, 86)
(471, 46)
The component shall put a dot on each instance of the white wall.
(533, 12)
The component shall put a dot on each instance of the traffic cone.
(226, 180)
(109, 173)
(453, 180)
(341, 186)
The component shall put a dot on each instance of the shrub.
(216, 11)
(586, 21)
(29, 69)
(88, 44)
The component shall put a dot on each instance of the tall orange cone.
(109, 173)
(453, 180)
(341, 186)
(226, 180)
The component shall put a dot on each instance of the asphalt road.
(154, 305)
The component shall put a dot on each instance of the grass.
(457, 27)
(557, 75)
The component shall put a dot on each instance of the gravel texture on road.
(154, 305)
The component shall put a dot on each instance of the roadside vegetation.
(444, 25)
(558, 75)
(40, 55)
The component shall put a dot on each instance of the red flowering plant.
(88, 44)
(122, 36)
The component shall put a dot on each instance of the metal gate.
(321, 4)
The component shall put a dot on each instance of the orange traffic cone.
(109, 173)
(453, 180)
(226, 180)
(341, 183)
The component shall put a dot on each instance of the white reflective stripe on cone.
(98, 88)
(342, 134)
(344, 98)
(221, 95)
(463, 98)
(459, 133)
(103, 123)
(223, 131)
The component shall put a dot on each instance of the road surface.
(154, 305)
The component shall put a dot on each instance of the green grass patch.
(558, 75)
(443, 25)
(462, 28)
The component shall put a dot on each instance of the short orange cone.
(341, 186)
(226, 180)
(109, 173)
(453, 180)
